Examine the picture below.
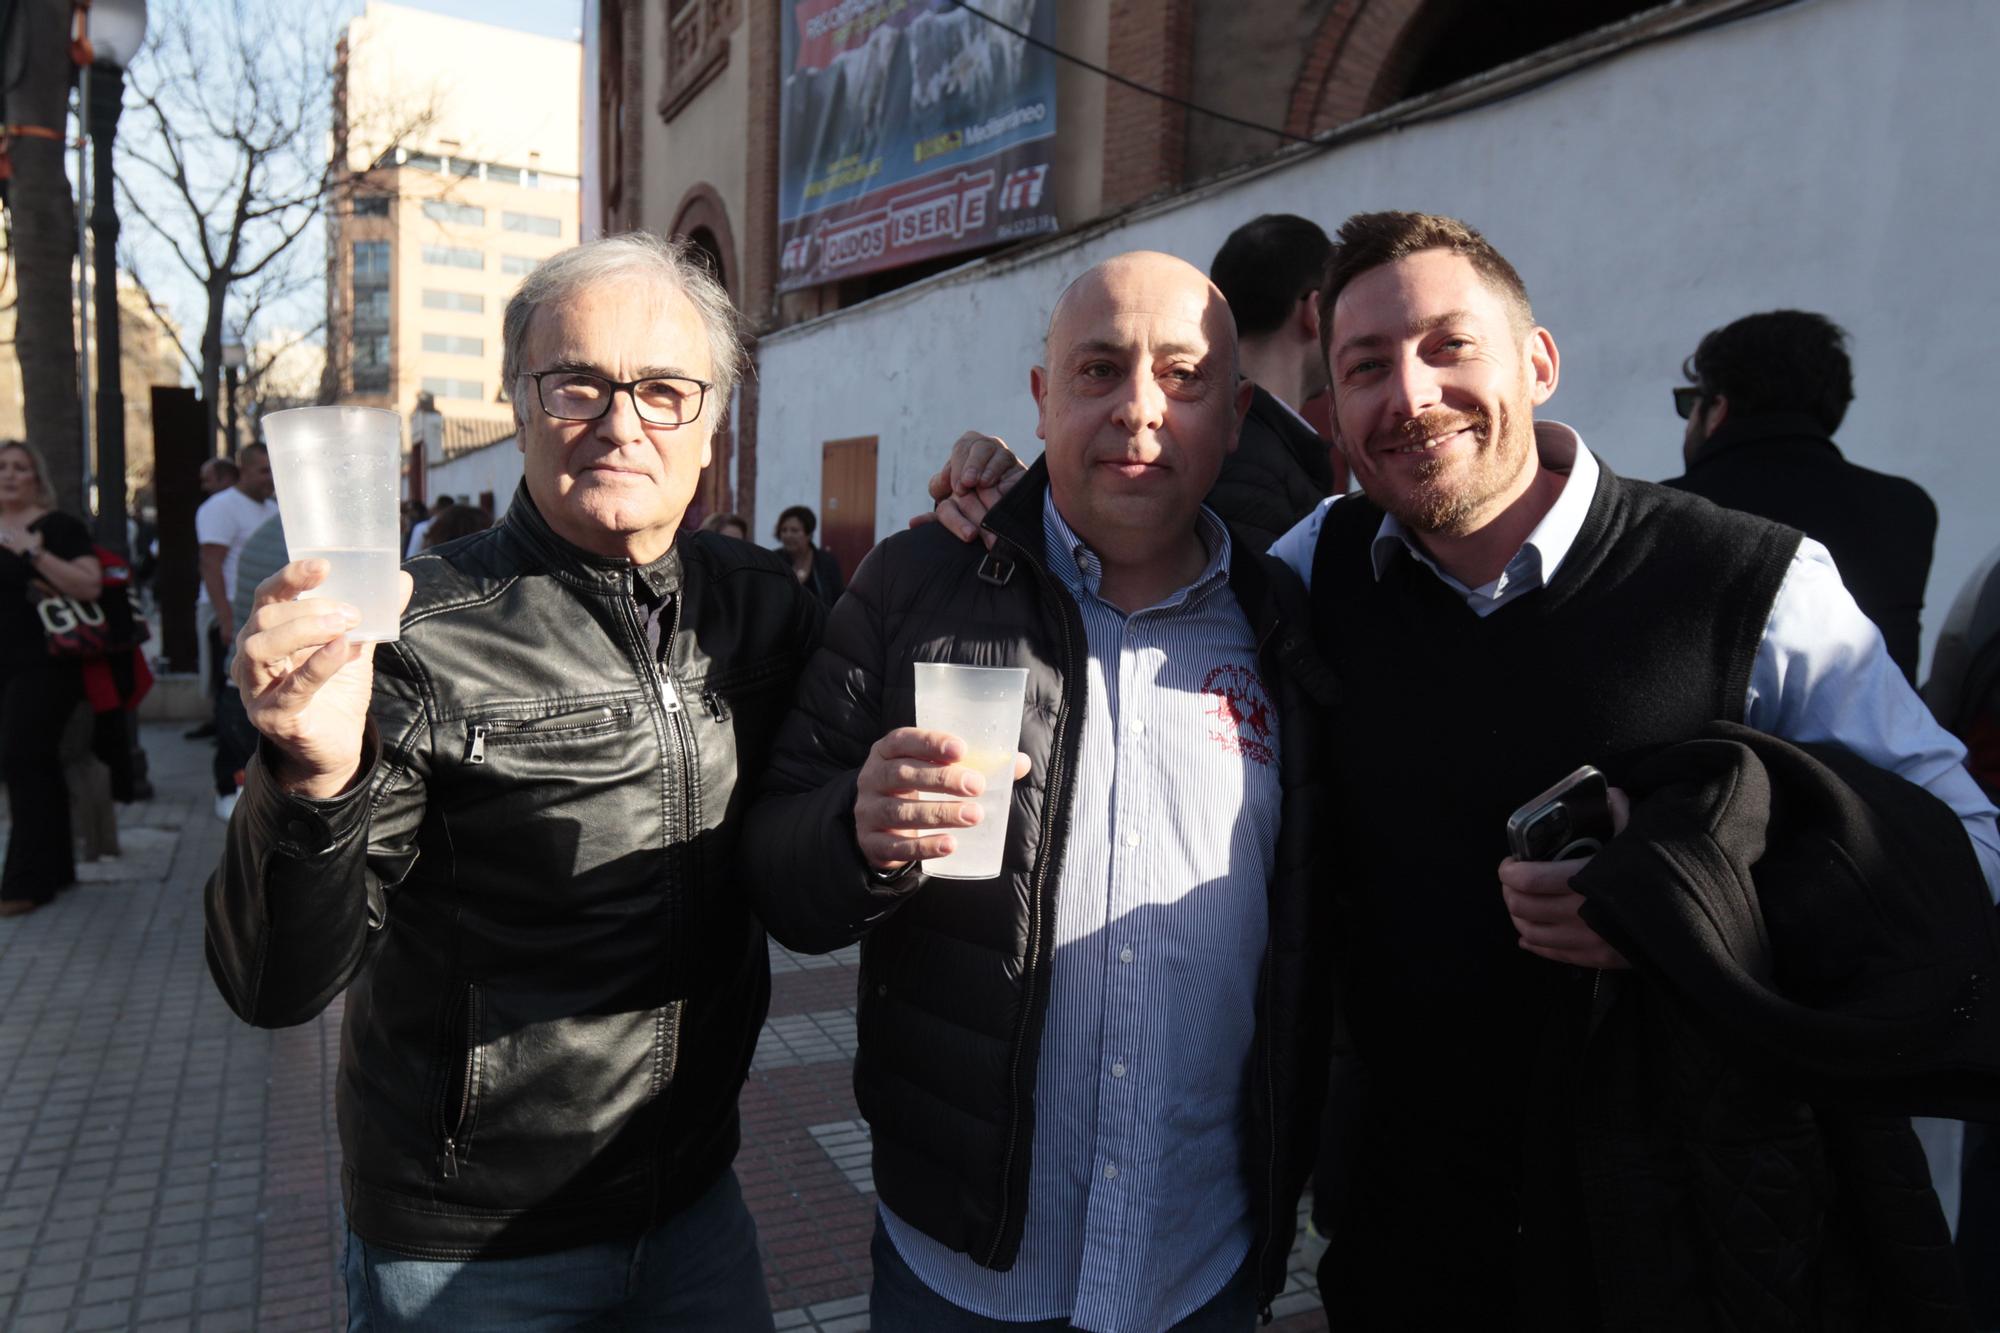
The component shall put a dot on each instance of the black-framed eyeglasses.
(580, 395)
(1686, 396)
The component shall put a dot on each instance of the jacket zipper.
(1270, 1077)
(476, 733)
(1058, 799)
(470, 1072)
(670, 703)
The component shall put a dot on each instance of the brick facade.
(1351, 67)
(1145, 137)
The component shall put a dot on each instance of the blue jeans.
(901, 1303)
(697, 1271)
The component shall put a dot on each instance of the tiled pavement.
(163, 1166)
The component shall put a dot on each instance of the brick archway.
(701, 210)
(1352, 64)
(702, 218)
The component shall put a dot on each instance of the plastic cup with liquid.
(338, 472)
(982, 707)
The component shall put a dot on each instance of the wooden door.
(847, 500)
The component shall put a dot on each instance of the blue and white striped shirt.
(1138, 1208)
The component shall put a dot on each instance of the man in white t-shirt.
(222, 525)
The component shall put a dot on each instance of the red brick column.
(1145, 137)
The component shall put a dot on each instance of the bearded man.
(1498, 608)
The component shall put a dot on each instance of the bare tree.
(227, 166)
(41, 235)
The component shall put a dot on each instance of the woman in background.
(41, 550)
(729, 525)
(814, 566)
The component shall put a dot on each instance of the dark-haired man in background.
(1269, 271)
(1764, 397)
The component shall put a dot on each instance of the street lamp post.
(234, 358)
(116, 29)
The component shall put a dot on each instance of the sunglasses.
(1686, 396)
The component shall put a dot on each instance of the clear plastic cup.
(982, 707)
(338, 471)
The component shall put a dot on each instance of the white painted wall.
(496, 468)
(1827, 156)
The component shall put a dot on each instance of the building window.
(443, 210)
(371, 205)
(371, 261)
(371, 363)
(424, 162)
(371, 308)
(533, 223)
(518, 263)
(438, 386)
(460, 167)
(504, 175)
(470, 302)
(452, 344)
(453, 256)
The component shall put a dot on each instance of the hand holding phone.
(1571, 819)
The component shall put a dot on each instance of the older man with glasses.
(507, 837)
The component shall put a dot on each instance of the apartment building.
(460, 144)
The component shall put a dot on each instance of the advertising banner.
(912, 128)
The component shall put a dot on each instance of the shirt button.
(1138, 727)
(1118, 1070)
(1125, 954)
(1110, 1171)
(1131, 840)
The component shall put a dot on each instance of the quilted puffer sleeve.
(806, 875)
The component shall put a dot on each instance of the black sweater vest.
(1447, 722)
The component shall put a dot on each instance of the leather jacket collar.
(525, 523)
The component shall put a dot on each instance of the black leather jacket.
(554, 986)
(954, 985)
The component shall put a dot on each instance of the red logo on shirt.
(1240, 713)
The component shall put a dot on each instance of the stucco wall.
(496, 468)
(703, 143)
(1820, 156)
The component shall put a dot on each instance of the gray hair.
(673, 263)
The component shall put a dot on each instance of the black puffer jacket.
(554, 986)
(953, 997)
(1278, 473)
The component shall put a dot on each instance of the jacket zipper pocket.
(460, 1115)
(499, 731)
(713, 703)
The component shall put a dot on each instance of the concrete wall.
(496, 468)
(1819, 156)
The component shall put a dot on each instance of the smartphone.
(1570, 819)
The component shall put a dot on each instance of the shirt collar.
(1071, 559)
(1560, 449)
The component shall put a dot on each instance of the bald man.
(1082, 1074)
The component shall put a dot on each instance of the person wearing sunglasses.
(1764, 396)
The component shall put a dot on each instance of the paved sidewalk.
(163, 1166)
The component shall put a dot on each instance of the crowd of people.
(1258, 921)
